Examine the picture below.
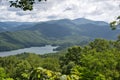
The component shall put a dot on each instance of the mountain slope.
(82, 27)
(54, 30)
(20, 39)
(15, 26)
(87, 21)
(98, 31)
(58, 32)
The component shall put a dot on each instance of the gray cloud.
(104, 10)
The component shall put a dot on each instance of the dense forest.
(99, 60)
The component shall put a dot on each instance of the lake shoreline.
(37, 50)
(22, 47)
(28, 47)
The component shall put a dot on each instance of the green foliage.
(24, 4)
(115, 23)
(43, 74)
(71, 58)
(100, 60)
(73, 55)
(3, 74)
(118, 38)
(85, 74)
(99, 45)
(22, 68)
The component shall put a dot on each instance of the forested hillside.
(14, 26)
(62, 32)
(100, 60)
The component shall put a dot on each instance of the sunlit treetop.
(24, 4)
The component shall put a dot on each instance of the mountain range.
(15, 35)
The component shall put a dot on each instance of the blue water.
(37, 50)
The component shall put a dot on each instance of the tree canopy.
(99, 60)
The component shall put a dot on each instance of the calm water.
(37, 50)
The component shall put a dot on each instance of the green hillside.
(58, 32)
(20, 39)
(26, 38)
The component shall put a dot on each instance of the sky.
(98, 10)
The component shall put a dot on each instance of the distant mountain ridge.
(87, 21)
(13, 26)
(56, 32)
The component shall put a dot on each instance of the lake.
(37, 50)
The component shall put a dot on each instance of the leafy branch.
(115, 23)
(24, 4)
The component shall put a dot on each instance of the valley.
(63, 33)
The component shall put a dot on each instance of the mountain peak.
(87, 21)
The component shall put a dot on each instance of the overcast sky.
(99, 10)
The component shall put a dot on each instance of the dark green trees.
(71, 58)
(73, 54)
(100, 60)
(99, 45)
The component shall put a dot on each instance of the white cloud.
(103, 10)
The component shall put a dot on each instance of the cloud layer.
(101, 10)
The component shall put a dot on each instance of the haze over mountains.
(15, 35)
